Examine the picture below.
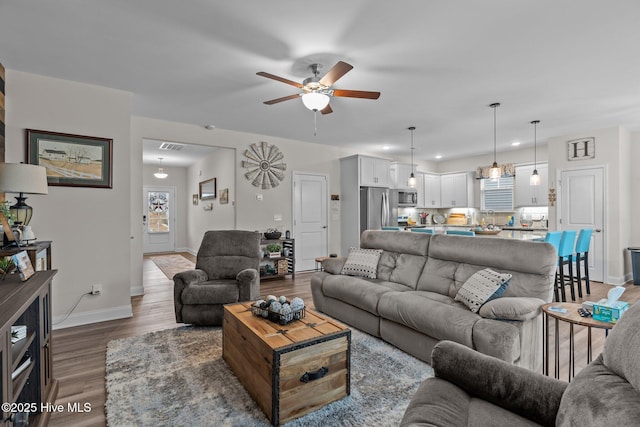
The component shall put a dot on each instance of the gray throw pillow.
(481, 287)
(362, 263)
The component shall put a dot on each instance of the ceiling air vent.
(171, 146)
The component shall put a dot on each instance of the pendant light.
(534, 179)
(412, 178)
(495, 172)
(161, 174)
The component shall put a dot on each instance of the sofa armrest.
(529, 394)
(248, 281)
(334, 265)
(512, 308)
(181, 281)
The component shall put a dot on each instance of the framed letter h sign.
(581, 149)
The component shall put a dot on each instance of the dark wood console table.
(26, 368)
(33, 249)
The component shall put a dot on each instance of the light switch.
(258, 196)
(277, 217)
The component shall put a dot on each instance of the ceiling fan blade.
(326, 110)
(338, 70)
(284, 98)
(280, 79)
(356, 94)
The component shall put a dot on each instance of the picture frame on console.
(72, 160)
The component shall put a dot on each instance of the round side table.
(572, 318)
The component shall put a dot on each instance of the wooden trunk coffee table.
(288, 370)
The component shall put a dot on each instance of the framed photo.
(23, 264)
(72, 160)
(224, 196)
(208, 189)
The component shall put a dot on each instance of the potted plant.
(6, 266)
(273, 250)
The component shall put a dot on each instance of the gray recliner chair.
(470, 388)
(227, 271)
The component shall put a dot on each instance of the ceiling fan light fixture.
(315, 101)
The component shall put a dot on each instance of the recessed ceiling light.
(438, 156)
(210, 127)
(515, 143)
(386, 147)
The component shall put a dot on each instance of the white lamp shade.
(412, 181)
(495, 172)
(315, 101)
(23, 178)
(161, 174)
(534, 179)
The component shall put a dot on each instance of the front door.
(159, 219)
(582, 206)
(309, 218)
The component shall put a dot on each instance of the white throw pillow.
(482, 287)
(362, 262)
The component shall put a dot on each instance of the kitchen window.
(497, 194)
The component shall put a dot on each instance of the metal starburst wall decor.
(265, 168)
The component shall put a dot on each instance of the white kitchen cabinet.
(420, 189)
(456, 190)
(431, 193)
(400, 173)
(531, 195)
(374, 172)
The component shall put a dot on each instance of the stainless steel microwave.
(407, 198)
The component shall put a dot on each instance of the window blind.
(497, 194)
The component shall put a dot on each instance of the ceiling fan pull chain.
(315, 122)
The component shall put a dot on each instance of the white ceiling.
(572, 64)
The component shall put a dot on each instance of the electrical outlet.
(96, 289)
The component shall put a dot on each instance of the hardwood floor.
(79, 352)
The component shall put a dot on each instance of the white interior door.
(582, 206)
(159, 219)
(309, 218)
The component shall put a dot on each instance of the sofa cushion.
(625, 335)
(511, 308)
(482, 287)
(362, 263)
(212, 292)
(401, 268)
(599, 397)
(449, 320)
(359, 292)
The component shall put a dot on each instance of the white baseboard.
(137, 291)
(193, 252)
(92, 317)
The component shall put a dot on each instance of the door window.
(158, 211)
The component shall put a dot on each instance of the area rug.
(177, 377)
(172, 264)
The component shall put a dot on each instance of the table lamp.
(23, 179)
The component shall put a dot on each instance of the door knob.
(598, 230)
(324, 226)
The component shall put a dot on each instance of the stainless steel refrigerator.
(378, 208)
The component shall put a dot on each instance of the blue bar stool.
(565, 257)
(393, 228)
(422, 230)
(582, 254)
(461, 232)
(553, 237)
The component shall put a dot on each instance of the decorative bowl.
(272, 235)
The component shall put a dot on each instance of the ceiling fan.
(316, 91)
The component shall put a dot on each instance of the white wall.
(177, 178)
(220, 165)
(612, 150)
(88, 226)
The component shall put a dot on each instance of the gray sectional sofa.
(411, 304)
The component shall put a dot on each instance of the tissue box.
(609, 312)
